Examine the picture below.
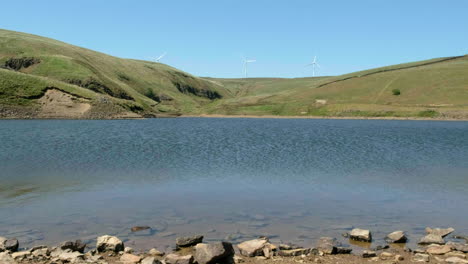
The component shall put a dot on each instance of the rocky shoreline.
(435, 247)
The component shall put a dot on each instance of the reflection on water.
(232, 179)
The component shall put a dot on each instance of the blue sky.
(207, 38)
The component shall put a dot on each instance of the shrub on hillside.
(396, 92)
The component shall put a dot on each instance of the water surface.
(233, 179)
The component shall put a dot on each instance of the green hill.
(45, 78)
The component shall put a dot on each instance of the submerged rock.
(443, 232)
(189, 241)
(253, 247)
(109, 243)
(396, 237)
(358, 234)
(431, 239)
(139, 228)
(220, 252)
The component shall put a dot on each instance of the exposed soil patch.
(21, 63)
(57, 104)
(98, 87)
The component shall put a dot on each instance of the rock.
(431, 239)
(155, 252)
(399, 258)
(269, 250)
(21, 255)
(253, 247)
(139, 228)
(238, 259)
(74, 246)
(380, 247)
(5, 258)
(396, 237)
(455, 254)
(438, 249)
(188, 241)
(343, 250)
(70, 256)
(419, 257)
(8, 244)
(128, 250)
(386, 255)
(294, 252)
(109, 243)
(443, 232)
(368, 254)
(459, 246)
(360, 235)
(130, 258)
(287, 246)
(327, 245)
(150, 260)
(456, 260)
(177, 259)
(220, 252)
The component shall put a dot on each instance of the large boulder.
(8, 244)
(177, 259)
(220, 252)
(431, 239)
(253, 247)
(443, 232)
(396, 237)
(189, 241)
(109, 243)
(358, 234)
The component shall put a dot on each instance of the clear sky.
(207, 38)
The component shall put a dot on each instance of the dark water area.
(293, 180)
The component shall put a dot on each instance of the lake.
(233, 179)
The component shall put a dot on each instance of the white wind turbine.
(160, 57)
(246, 61)
(314, 64)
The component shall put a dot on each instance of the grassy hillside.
(45, 78)
(32, 64)
(433, 88)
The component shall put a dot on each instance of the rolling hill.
(45, 78)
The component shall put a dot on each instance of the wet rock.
(343, 250)
(380, 247)
(294, 252)
(327, 245)
(288, 246)
(177, 259)
(8, 244)
(74, 246)
(419, 257)
(438, 249)
(456, 260)
(150, 260)
(219, 252)
(109, 243)
(5, 258)
(155, 252)
(459, 246)
(431, 239)
(396, 237)
(443, 232)
(139, 228)
(358, 234)
(188, 241)
(253, 247)
(368, 254)
(130, 258)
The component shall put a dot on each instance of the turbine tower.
(160, 57)
(246, 61)
(314, 64)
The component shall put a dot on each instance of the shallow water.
(293, 180)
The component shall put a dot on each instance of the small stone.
(109, 243)
(386, 255)
(219, 252)
(443, 232)
(396, 237)
(130, 258)
(360, 235)
(431, 239)
(253, 247)
(128, 250)
(368, 254)
(177, 259)
(456, 260)
(150, 260)
(188, 241)
(287, 246)
(294, 252)
(419, 257)
(155, 252)
(438, 249)
(399, 258)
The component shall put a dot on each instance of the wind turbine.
(246, 61)
(160, 57)
(314, 64)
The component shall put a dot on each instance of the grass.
(436, 88)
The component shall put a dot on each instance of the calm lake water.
(234, 179)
